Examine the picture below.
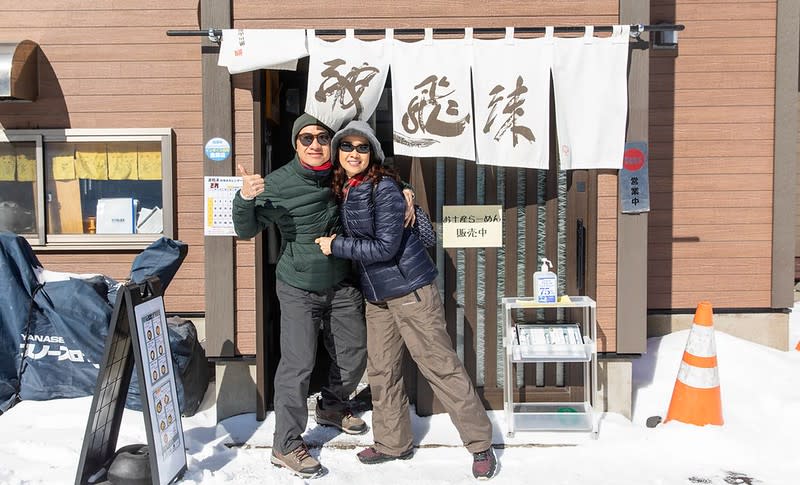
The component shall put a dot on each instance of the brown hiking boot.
(371, 456)
(340, 419)
(298, 461)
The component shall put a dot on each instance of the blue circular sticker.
(218, 149)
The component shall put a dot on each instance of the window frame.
(94, 242)
(17, 137)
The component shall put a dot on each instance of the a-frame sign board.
(137, 336)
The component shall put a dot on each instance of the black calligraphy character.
(513, 109)
(346, 90)
(424, 110)
(492, 106)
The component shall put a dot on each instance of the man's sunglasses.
(306, 139)
(349, 147)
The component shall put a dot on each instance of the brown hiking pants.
(417, 320)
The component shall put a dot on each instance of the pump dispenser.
(545, 283)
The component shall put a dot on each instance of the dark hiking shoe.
(298, 461)
(484, 464)
(371, 456)
(340, 419)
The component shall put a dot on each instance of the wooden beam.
(783, 186)
(632, 228)
(220, 258)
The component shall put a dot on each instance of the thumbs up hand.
(252, 185)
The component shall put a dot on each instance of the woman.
(403, 305)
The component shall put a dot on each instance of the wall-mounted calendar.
(218, 194)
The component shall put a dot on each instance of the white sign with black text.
(472, 226)
(160, 392)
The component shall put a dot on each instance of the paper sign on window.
(472, 226)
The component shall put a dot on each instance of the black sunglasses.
(346, 146)
(306, 139)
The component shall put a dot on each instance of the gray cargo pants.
(339, 313)
(417, 320)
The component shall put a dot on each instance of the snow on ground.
(758, 443)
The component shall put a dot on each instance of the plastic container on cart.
(550, 342)
(540, 341)
(553, 416)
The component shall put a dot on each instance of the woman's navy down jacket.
(390, 258)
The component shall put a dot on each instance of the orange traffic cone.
(696, 396)
(798, 346)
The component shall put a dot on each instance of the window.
(87, 188)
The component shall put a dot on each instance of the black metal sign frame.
(122, 352)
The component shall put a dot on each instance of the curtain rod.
(215, 35)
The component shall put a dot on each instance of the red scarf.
(325, 166)
(353, 181)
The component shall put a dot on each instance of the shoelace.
(301, 452)
(482, 455)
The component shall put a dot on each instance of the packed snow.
(758, 443)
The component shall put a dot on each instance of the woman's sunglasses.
(306, 139)
(349, 147)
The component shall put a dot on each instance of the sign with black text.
(634, 179)
(472, 226)
(160, 389)
(137, 336)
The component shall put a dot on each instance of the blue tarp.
(18, 282)
(63, 333)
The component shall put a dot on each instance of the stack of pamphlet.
(536, 340)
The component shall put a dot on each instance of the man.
(315, 291)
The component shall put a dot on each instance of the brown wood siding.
(107, 65)
(606, 261)
(711, 156)
(413, 14)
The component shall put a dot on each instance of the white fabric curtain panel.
(511, 89)
(432, 92)
(432, 98)
(345, 78)
(591, 98)
(245, 50)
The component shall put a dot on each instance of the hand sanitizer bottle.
(545, 284)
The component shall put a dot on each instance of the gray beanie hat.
(362, 128)
(304, 120)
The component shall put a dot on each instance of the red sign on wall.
(633, 159)
(634, 179)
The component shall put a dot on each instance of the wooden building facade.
(719, 114)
